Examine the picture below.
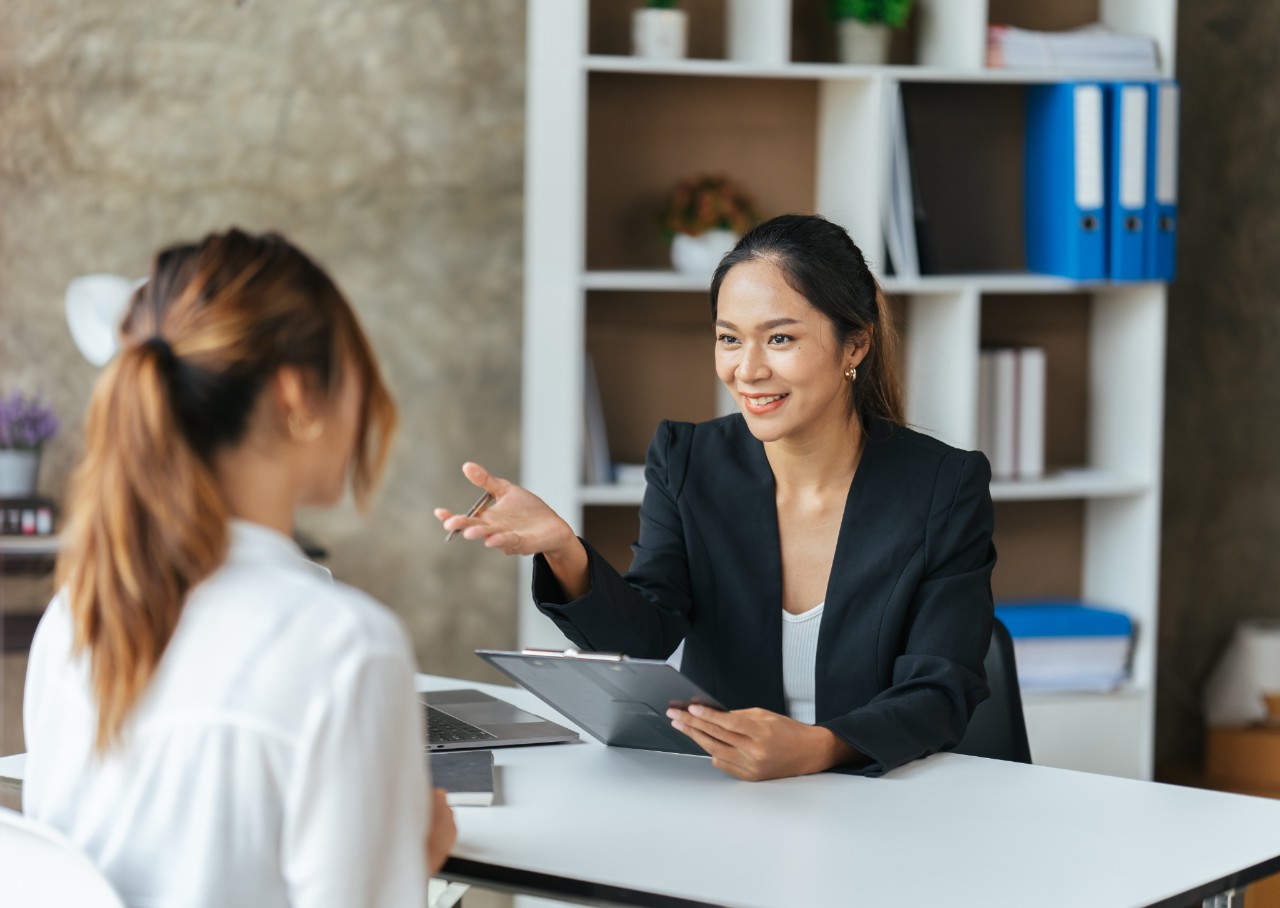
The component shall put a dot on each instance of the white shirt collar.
(253, 543)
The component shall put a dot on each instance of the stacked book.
(1068, 646)
(465, 775)
(1092, 48)
(1011, 420)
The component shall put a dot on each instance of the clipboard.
(619, 701)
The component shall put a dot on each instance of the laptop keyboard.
(443, 728)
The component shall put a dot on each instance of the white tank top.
(799, 660)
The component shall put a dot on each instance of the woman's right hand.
(521, 523)
(518, 522)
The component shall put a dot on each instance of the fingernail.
(677, 725)
(673, 714)
(696, 709)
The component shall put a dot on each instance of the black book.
(467, 776)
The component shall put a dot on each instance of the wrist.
(566, 550)
(571, 568)
(835, 751)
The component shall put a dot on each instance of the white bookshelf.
(586, 278)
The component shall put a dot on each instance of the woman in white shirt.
(208, 715)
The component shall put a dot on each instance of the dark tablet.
(619, 701)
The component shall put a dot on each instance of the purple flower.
(25, 423)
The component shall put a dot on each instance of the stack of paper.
(1092, 48)
(1068, 646)
(1011, 404)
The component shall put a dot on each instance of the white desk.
(591, 823)
(587, 821)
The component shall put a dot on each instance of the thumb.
(482, 478)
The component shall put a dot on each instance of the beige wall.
(385, 137)
(1221, 555)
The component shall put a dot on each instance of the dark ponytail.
(821, 262)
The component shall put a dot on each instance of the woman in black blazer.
(828, 568)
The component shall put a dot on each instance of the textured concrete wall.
(1221, 551)
(385, 137)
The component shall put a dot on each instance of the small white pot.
(659, 33)
(18, 471)
(863, 43)
(702, 253)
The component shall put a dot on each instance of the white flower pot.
(19, 468)
(863, 43)
(659, 33)
(702, 253)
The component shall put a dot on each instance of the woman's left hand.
(756, 744)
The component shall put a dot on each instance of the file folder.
(1065, 202)
(1162, 180)
(1127, 117)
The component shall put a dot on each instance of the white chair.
(39, 868)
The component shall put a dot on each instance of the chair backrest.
(39, 868)
(998, 728)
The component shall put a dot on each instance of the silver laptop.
(470, 720)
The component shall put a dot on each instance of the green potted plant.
(659, 29)
(703, 218)
(25, 425)
(862, 27)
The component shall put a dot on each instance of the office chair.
(998, 728)
(41, 869)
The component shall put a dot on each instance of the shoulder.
(681, 448)
(365, 619)
(914, 476)
(722, 435)
(920, 453)
(301, 609)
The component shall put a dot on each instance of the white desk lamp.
(95, 306)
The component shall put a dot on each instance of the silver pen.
(475, 510)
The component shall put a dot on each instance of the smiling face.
(779, 356)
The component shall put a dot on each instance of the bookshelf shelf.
(654, 279)
(610, 63)
(646, 280)
(616, 494)
(28, 546)
(1082, 485)
(608, 135)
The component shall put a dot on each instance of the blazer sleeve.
(645, 613)
(938, 676)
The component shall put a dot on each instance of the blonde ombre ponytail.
(147, 523)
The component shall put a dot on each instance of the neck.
(817, 462)
(259, 486)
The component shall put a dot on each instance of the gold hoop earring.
(851, 373)
(310, 433)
